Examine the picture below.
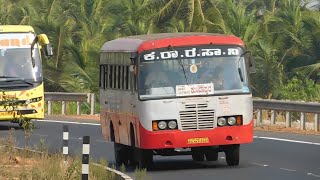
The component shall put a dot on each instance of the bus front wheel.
(197, 155)
(211, 156)
(232, 153)
(143, 158)
(120, 154)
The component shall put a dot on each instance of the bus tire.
(144, 158)
(112, 135)
(232, 155)
(131, 149)
(197, 155)
(211, 155)
(120, 154)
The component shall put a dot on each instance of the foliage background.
(284, 36)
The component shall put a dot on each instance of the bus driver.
(156, 77)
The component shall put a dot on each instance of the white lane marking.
(264, 165)
(222, 157)
(288, 140)
(291, 170)
(314, 175)
(78, 139)
(101, 141)
(68, 122)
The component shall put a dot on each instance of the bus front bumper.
(185, 139)
(25, 113)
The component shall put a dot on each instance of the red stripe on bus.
(190, 41)
(180, 139)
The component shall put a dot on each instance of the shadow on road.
(5, 126)
(176, 165)
(8, 126)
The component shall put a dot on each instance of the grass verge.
(27, 164)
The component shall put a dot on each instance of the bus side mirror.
(252, 65)
(131, 68)
(48, 50)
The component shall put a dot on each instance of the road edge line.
(287, 140)
(67, 122)
(120, 175)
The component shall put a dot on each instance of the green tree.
(300, 88)
(269, 76)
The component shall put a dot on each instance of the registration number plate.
(198, 140)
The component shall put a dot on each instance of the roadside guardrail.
(272, 107)
(288, 107)
(62, 97)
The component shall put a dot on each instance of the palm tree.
(270, 73)
(90, 31)
(14, 12)
(240, 21)
(195, 15)
(127, 19)
(311, 21)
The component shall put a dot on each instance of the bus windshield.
(15, 59)
(16, 63)
(209, 71)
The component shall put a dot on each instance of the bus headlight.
(172, 124)
(222, 121)
(37, 99)
(162, 125)
(232, 121)
(168, 124)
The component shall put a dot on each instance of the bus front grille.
(197, 119)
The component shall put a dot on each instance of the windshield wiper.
(180, 63)
(239, 69)
(8, 77)
(19, 80)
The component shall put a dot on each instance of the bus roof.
(140, 43)
(15, 28)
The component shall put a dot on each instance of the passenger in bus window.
(213, 75)
(194, 70)
(8, 68)
(218, 79)
(156, 76)
(231, 76)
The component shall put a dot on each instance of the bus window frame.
(107, 77)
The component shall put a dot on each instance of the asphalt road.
(271, 156)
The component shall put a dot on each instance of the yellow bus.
(21, 77)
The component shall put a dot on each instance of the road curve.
(271, 156)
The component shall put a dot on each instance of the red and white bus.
(176, 93)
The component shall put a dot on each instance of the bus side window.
(125, 77)
(111, 76)
(119, 78)
(116, 77)
(122, 76)
(106, 77)
(101, 76)
(103, 79)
